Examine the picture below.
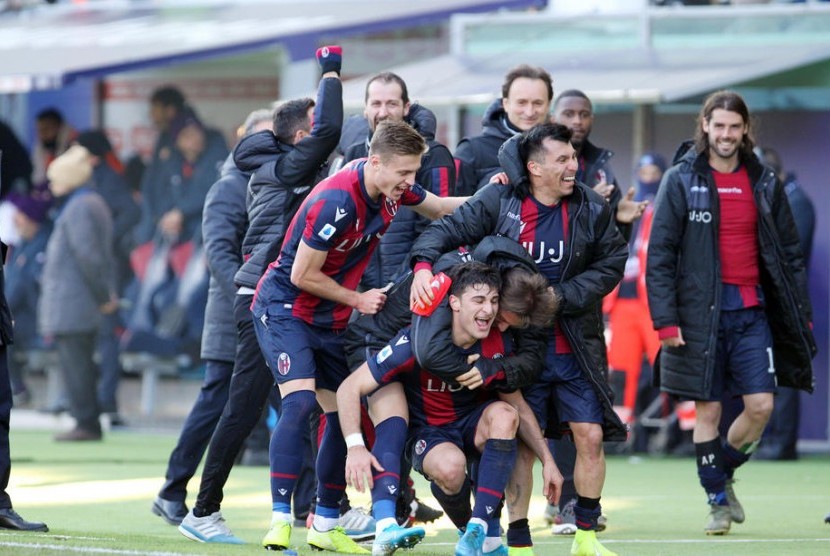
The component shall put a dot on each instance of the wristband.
(354, 439)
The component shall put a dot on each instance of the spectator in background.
(781, 435)
(173, 199)
(224, 223)
(78, 285)
(15, 165)
(23, 275)
(9, 519)
(108, 181)
(54, 136)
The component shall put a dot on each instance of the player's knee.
(504, 420)
(760, 409)
(449, 473)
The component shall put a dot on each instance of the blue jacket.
(23, 278)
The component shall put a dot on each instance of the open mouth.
(483, 324)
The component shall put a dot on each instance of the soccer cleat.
(471, 541)
(565, 521)
(424, 513)
(395, 537)
(586, 544)
(827, 518)
(520, 551)
(602, 523)
(358, 524)
(278, 536)
(719, 520)
(735, 507)
(210, 528)
(334, 540)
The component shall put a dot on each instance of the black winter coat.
(683, 277)
(282, 177)
(596, 260)
(478, 156)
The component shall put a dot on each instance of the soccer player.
(569, 231)
(727, 291)
(449, 422)
(305, 299)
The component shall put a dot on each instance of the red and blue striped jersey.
(339, 217)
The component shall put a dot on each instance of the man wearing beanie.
(78, 285)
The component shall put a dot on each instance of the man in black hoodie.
(525, 102)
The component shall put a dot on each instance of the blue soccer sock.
(331, 467)
(518, 534)
(586, 513)
(390, 437)
(457, 506)
(733, 458)
(710, 469)
(286, 459)
(497, 461)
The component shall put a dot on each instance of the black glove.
(330, 58)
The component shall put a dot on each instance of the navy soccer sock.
(286, 459)
(390, 437)
(710, 469)
(331, 467)
(497, 461)
(518, 534)
(586, 513)
(733, 458)
(457, 506)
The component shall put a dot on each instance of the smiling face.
(553, 175)
(577, 115)
(391, 175)
(384, 101)
(725, 130)
(474, 313)
(527, 103)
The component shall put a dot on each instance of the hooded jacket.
(595, 264)
(281, 177)
(437, 174)
(477, 157)
(684, 284)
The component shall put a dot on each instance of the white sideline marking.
(86, 549)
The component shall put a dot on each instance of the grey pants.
(80, 375)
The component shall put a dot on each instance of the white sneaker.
(358, 525)
(210, 528)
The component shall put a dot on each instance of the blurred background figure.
(23, 275)
(15, 164)
(78, 286)
(53, 137)
(781, 435)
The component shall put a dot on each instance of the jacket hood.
(255, 150)
(503, 253)
(511, 164)
(423, 120)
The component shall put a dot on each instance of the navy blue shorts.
(744, 362)
(563, 383)
(461, 433)
(295, 349)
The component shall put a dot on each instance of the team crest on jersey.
(284, 363)
(391, 207)
(383, 354)
(420, 447)
(327, 231)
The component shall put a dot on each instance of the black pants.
(80, 376)
(5, 415)
(250, 385)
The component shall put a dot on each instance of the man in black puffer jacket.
(285, 164)
(387, 99)
(727, 291)
(568, 230)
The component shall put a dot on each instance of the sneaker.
(210, 528)
(520, 550)
(735, 507)
(278, 536)
(586, 544)
(602, 523)
(358, 524)
(719, 520)
(565, 520)
(551, 513)
(395, 537)
(471, 541)
(335, 540)
(423, 513)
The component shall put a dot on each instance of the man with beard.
(727, 291)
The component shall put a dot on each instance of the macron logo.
(402, 340)
(341, 213)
